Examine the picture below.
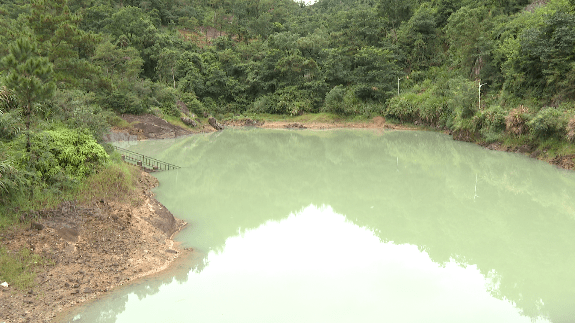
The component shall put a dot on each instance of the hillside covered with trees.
(68, 69)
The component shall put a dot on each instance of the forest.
(489, 70)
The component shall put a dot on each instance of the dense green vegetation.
(68, 67)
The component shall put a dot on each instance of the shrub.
(8, 100)
(264, 104)
(402, 108)
(170, 110)
(290, 100)
(62, 154)
(194, 105)
(124, 103)
(157, 112)
(516, 121)
(334, 100)
(10, 125)
(571, 129)
(462, 96)
(11, 180)
(490, 119)
(548, 122)
(78, 109)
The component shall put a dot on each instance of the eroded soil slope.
(92, 248)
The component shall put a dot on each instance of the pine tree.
(29, 76)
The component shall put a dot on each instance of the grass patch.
(19, 268)
(114, 182)
(176, 121)
(554, 147)
(43, 198)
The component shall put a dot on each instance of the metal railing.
(144, 161)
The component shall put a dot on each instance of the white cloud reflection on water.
(315, 266)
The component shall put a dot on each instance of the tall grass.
(115, 182)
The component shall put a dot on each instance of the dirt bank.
(92, 249)
(375, 123)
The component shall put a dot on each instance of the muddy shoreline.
(91, 249)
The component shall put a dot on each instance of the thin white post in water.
(475, 195)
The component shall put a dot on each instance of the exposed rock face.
(188, 122)
(214, 123)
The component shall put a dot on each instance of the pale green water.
(357, 226)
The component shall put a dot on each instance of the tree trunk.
(29, 113)
(173, 77)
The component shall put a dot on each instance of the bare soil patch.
(375, 123)
(93, 248)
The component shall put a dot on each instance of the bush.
(62, 154)
(78, 109)
(548, 122)
(194, 105)
(516, 121)
(344, 101)
(123, 103)
(10, 125)
(8, 100)
(334, 100)
(11, 180)
(402, 108)
(490, 119)
(290, 100)
(264, 104)
(462, 98)
(571, 129)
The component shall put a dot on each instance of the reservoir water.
(356, 226)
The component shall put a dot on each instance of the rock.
(188, 121)
(36, 226)
(171, 251)
(214, 123)
(295, 125)
(523, 149)
(88, 290)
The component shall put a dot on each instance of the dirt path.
(93, 248)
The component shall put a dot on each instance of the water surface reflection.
(463, 215)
